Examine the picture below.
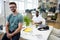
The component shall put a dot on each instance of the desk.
(36, 34)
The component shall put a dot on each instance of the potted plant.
(27, 20)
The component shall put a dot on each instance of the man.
(14, 24)
(37, 19)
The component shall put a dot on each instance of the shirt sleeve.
(7, 19)
(21, 20)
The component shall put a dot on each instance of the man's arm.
(7, 25)
(18, 29)
(39, 22)
(36, 22)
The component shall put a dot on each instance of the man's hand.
(40, 22)
(9, 35)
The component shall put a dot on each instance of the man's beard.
(37, 15)
(14, 11)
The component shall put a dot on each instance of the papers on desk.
(27, 30)
(38, 37)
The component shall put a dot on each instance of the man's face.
(13, 7)
(37, 14)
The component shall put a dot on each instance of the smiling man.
(14, 24)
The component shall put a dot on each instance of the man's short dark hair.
(37, 11)
(12, 3)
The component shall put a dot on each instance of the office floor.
(54, 24)
(1, 35)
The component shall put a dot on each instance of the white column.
(6, 9)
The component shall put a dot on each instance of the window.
(29, 6)
(21, 5)
(35, 1)
(34, 6)
(21, 0)
(29, 0)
